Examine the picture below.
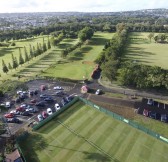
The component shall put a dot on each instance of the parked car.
(44, 114)
(49, 111)
(154, 115)
(8, 104)
(40, 104)
(43, 96)
(49, 99)
(146, 112)
(9, 115)
(33, 101)
(20, 109)
(15, 112)
(57, 107)
(164, 118)
(98, 92)
(150, 101)
(60, 93)
(12, 120)
(43, 87)
(58, 88)
(40, 117)
(25, 113)
(32, 110)
(64, 102)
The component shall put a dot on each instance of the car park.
(49, 111)
(40, 117)
(33, 101)
(57, 107)
(58, 88)
(9, 115)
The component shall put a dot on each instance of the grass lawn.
(84, 134)
(81, 61)
(146, 52)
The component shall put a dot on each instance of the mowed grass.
(146, 52)
(86, 135)
(80, 62)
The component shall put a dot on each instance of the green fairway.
(84, 134)
(146, 52)
(81, 61)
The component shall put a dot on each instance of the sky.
(9, 6)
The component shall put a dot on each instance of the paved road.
(96, 84)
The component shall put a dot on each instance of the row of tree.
(34, 52)
(110, 58)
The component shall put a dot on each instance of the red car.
(20, 109)
(9, 115)
(44, 114)
(33, 101)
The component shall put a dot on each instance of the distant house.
(14, 157)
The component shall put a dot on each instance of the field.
(81, 61)
(84, 134)
(146, 52)
(78, 64)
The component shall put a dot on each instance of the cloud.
(78, 5)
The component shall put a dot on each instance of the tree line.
(33, 52)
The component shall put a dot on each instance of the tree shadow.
(98, 41)
(34, 142)
(64, 45)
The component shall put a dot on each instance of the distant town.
(17, 21)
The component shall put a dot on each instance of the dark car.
(164, 118)
(49, 99)
(60, 93)
(43, 96)
(40, 104)
(25, 113)
(154, 115)
(12, 120)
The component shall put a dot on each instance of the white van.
(7, 104)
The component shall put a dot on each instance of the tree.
(21, 60)
(44, 46)
(34, 52)
(9, 66)
(31, 52)
(85, 33)
(64, 53)
(48, 43)
(26, 55)
(150, 36)
(4, 67)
